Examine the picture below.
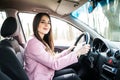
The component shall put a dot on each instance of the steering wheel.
(87, 38)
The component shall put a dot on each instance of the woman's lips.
(45, 28)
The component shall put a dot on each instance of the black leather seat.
(10, 63)
(4, 76)
(64, 71)
(66, 74)
(70, 76)
(10, 31)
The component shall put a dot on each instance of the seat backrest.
(10, 65)
(9, 30)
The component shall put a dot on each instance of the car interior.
(102, 62)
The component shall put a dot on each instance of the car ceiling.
(59, 7)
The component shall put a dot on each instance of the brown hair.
(48, 38)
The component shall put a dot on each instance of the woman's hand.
(82, 49)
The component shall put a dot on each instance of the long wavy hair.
(48, 38)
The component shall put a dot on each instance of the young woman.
(41, 61)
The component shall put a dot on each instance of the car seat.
(10, 65)
(9, 31)
(11, 53)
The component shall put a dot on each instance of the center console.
(110, 70)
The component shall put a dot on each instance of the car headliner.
(59, 7)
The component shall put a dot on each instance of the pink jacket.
(40, 65)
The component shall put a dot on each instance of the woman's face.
(44, 26)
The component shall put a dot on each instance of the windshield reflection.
(104, 19)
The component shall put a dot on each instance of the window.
(2, 18)
(64, 34)
(104, 19)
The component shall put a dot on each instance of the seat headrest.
(9, 27)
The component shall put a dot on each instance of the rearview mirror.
(92, 5)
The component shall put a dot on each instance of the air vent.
(117, 54)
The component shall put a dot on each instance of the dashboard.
(99, 45)
(108, 59)
(104, 48)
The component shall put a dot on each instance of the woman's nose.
(47, 23)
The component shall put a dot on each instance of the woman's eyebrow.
(43, 20)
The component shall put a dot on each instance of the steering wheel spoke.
(86, 35)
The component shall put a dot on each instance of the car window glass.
(2, 18)
(64, 34)
(104, 19)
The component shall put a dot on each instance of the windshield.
(104, 18)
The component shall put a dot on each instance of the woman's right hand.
(82, 50)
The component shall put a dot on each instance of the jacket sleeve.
(37, 52)
(63, 53)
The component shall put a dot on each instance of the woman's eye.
(45, 22)
(42, 22)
